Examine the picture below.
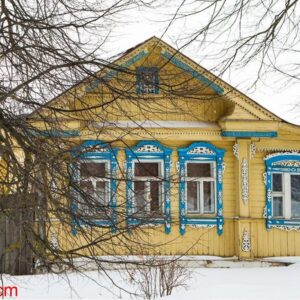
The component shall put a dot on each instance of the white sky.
(140, 25)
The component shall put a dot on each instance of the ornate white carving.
(148, 149)
(280, 153)
(262, 149)
(220, 197)
(182, 174)
(235, 149)
(167, 172)
(246, 243)
(265, 178)
(221, 171)
(201, 150)
(182, 194)
(129, 172)
(151, 225)
(265, 212)
(245, 187)
(96, 148)
(287, 227)
(220, 212)
(269, 195)
(207, 226)
(54, 241)
(220, 175)
(252, 150)
(287, 163)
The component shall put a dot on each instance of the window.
(148, 188)
(201, 186)
(94, 171)
(286, 195)
(147, 80)
(94, 186)
(148, 184)
(283, 190)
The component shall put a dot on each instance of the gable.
(186, 91)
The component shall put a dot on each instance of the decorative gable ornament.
(148, 149)
(201, 150)
(246, 243)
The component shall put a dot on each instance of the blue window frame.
(282, 179)
(201, 170)
(147, 80)
(148, 184)
(95, 175)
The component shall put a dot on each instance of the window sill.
(284, 224)
(146, 222)
(201, 216)
(95, 222)
(101, 223)
(201, 221)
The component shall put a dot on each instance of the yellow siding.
(201, 241)
(230, 112)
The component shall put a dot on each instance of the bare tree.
(157, 278)
(46, 48)
(233, 34)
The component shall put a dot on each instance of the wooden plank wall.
(16, 257)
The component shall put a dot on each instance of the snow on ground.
(205, 283)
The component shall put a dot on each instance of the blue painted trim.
(138, 78)
(210, 154)
(267, 134)
(55, 133)
(164, 154)
(283, 222)
(177, 62)
(206, 221)
(112, 73)
(94, 149)
(271, 168)
(136, 222)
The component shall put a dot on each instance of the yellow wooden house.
(210, 170)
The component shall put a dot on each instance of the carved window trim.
(148, 151)
(283, 163)
(207, 153)
(94, 150)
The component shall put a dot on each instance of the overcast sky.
(140, 25)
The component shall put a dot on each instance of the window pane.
(154, 196)
(277, 182)
(209, 199)
(86, 199)
(140, 196)
(278, 206)
(91, 201)
(86, 187)
(199, 170)
(102, 192)
(146, 169)
(295, 196)
(92, 169)
(192, 197)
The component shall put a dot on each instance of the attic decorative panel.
(147, 80)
